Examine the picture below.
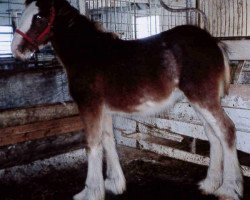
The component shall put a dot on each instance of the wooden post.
(237, 73)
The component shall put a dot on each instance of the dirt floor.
(149, 177)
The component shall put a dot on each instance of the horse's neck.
(72, 31)
(69, 21)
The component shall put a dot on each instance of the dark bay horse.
(109, 75)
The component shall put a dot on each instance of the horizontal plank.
(191, 130)
(185, 113)
(238, 49)
(13, 135)
(238, 97)
(15, 117)
(146, 142)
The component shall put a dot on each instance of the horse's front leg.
(94, 185)
(115, 181)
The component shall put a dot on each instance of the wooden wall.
(227, 17)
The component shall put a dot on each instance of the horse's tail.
(226, 79)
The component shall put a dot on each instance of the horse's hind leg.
(94, 185)
(115, 181)
(214, 174)
(224, 130)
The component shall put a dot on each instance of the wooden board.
(238, 49)
(21, 116)
(145, 142)
(13, 135)
(227, 17)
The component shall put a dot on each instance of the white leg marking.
(215, 174)
(232, 186)
(94, 187)
(115, 181)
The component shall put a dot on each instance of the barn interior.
(42, 153)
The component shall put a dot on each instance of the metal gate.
(133, 19)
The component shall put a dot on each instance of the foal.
(106, 74)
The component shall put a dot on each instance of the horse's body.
(107, 74)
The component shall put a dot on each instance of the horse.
(109, 75)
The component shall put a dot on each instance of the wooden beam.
(13, 135)
(238, 49)
(20, 116)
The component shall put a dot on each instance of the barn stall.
(41, 139)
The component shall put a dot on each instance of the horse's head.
(34, 28)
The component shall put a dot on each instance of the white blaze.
(24, 26)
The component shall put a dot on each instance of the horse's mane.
(74, 18)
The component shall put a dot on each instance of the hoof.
(90, 194)
(232, 190)
(115, 185)
(210, 185)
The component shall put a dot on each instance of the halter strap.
(48, 28)
(35, 42)
(26, 37)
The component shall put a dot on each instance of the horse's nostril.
(17, 54)
(20, 48)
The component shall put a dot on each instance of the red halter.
(40, 38)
